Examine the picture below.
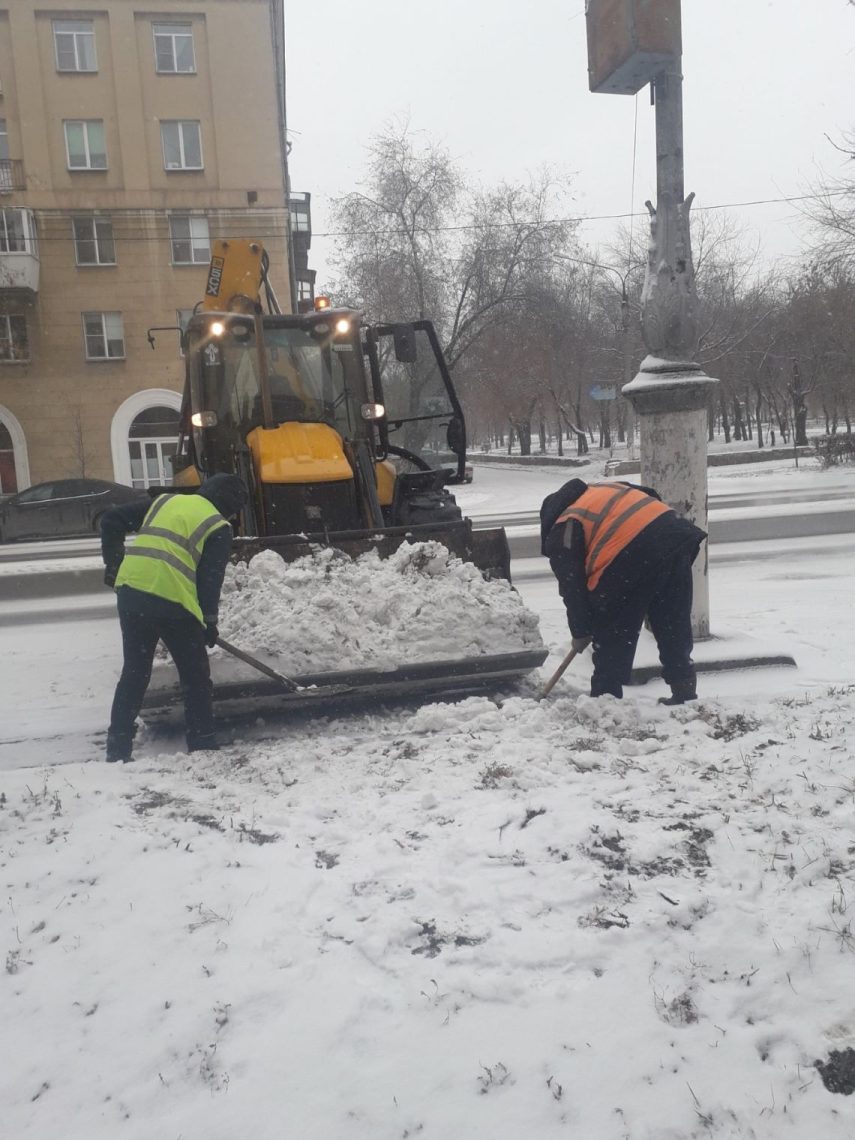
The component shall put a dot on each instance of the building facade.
(130, 138)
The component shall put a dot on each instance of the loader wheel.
(435, 506)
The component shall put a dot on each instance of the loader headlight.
(342, 326)
(217, 328)
(373, 411)
(204, 419)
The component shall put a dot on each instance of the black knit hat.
(556, 503)
(228, 493)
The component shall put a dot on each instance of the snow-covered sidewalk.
(541, 919)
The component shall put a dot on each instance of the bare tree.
(397, 231)
(418, 242)
(831, 213)
(821, 343)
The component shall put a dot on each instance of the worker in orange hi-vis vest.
(620, 555)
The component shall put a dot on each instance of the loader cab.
(317, 373)
(334, 425)
(314, 372)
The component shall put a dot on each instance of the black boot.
(681, 691)
(601, 687)
(120, 747)
(203, 742)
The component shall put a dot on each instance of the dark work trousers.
(666, 601)
(185, 640)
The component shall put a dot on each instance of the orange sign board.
(630, 42)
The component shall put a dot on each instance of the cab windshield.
(314, 378)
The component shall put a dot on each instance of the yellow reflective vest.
(169, 544)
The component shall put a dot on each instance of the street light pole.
(633, 43)
(627, 368)
(671, 391)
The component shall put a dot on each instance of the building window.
(191, 244)
(74, 43)
(182, 145)
(11, 169)
(173, 49)
(13, 337)
(13, 232)
(8, 474)
(84, 144)
(152, 441)
(301, 218)
(18, 232)
(93, 241)
(6, 178)
(104, 336)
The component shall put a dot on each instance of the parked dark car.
(61, 509)
(447, 459)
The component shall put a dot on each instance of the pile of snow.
(329, 611)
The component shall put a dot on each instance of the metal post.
(263, 370)
(627, 370)
(671, 392)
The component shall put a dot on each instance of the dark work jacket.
(118, 522)
(589, 611)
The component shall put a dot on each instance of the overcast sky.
(503, 84)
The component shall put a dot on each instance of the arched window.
(8, 478)
(152, 439)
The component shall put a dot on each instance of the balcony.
(300, 208)
(19, 255)
(11, 175)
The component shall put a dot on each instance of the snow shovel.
(558, 674)
(286, 682)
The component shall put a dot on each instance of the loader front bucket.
(242, 690)
(353, 690)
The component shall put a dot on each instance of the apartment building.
(130, 138)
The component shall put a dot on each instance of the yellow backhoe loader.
(339, 429)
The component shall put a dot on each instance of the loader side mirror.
(456, 435)
(180, 461)
(406, 348)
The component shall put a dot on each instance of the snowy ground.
(602, 920)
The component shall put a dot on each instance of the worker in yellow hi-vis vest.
(620, 555)
(168, 588)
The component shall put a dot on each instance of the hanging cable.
(629, 261)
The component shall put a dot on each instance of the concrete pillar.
(671, 392)
(672, 409)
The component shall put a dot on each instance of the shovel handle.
(259, 665)
(558, 674)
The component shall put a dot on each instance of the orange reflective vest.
(611, 515)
